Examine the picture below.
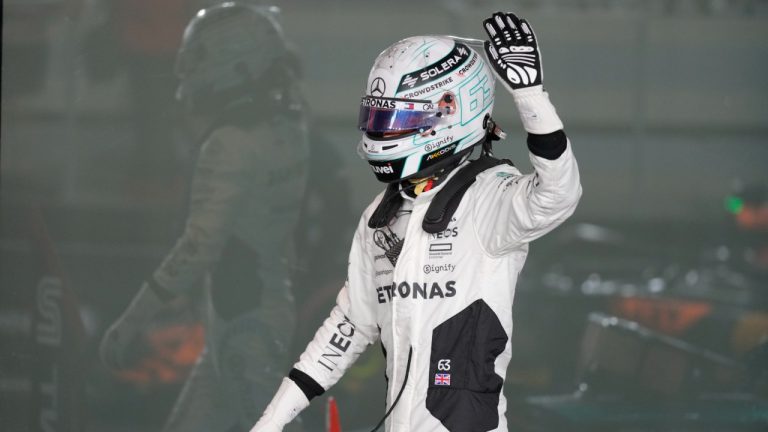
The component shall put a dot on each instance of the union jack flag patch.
(443, 379)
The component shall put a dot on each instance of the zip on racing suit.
(442, 307)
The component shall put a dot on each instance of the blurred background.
(646, 311)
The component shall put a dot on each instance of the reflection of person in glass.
(436, 256)
(238, 86)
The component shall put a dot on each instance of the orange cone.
(332, 416)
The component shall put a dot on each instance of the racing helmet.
(227, 48)
(426, 104)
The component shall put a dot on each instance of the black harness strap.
(388, 206)
(445, 203)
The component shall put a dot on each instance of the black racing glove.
(513, 51)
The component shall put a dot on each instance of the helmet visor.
(380, 116)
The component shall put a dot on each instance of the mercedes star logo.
(378, 87)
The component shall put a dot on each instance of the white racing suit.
(443, 312)
(244, 202)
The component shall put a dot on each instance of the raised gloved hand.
(513, 51)
(119, 340)
(514, 56)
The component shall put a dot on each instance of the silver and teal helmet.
(426, 102)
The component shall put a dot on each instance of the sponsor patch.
(437, 143)
(383, 169)
(389, 242)
(415, 290)
(440, 250)
(448, 233)
(436, 71)
(469, 65)
(438, 268)
(387, 170)
(337, 345)
(378, 87)
(421, 92)
(375, 102)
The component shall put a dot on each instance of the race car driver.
(239, 89)
(435, 258)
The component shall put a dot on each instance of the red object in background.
(753, 218)
(333, 424)
(173, 352)
(669, 316)
(59, 375)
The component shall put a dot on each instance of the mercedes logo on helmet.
(378, 87)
